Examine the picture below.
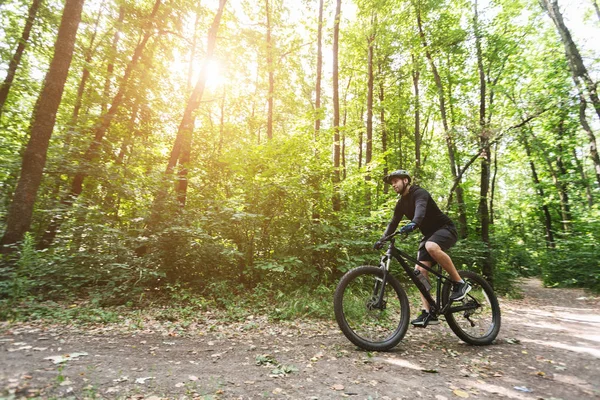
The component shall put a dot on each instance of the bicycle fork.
(378, 301)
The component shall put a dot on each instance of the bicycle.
(372, 309)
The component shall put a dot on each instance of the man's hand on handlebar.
(378, 244)
(408, 228)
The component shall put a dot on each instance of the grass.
(182, 308)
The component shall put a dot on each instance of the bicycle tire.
(351, 299)
(480, 326)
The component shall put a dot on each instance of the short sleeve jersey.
(418, 206)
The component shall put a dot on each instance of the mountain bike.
(373, 312)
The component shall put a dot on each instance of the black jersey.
(418, 206)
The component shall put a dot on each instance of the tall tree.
(271, 72)
(462, 214)
(416, 75)
(319, 69)
(580, 74)
(370, 90)
(336, 109)
(547, 218)
(484, 142)
(93, 151)
(183, 140)
(20, 211)
(110, 67)
(16, 59)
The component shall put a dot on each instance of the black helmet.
(401, 173)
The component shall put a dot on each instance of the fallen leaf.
(65, 358)
(338, 386)
(461, 393)
(143, 380)
(522, 389)
(193, 378)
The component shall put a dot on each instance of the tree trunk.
(20, 211)
(595, 3)
(415, 76)
(562, 178)
(584, 180)
(85, 75)
(384, 133)
(360, 140)
(183, 140)
(545, 210)
(16, 59)
(319, 70)
(111, 66)
(270, 68)
(462, 213)
(483, 208)
(494, 184)
(93, 149)
(578, 71)
(370, 80)
(336, 110)
(591, 137)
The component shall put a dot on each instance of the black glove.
(408, 228)
(378, 245)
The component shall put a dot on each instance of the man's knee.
(433, 248)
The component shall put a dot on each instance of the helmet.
(400, 173)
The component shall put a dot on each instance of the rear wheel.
(476, 318)
(371, 326)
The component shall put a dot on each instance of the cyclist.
(439, 232)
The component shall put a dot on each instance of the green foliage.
(575, 262)
(257, 231)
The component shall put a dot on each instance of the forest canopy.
(229, 145)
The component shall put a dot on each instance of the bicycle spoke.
(476, 318)
(367, 321)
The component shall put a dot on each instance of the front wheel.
(367, 322)
(476, 318)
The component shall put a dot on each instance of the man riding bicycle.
(439, 235)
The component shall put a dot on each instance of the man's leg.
(459, 288)
(426, 274)
(436, 252)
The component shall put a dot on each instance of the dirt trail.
(548, 348)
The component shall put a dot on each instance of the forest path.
(548, 348)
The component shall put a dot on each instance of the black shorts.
(445, 237)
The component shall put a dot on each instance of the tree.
(336, 109)
(462, 215)
(93, 151)
(16, 59)
(580, 74)
(271, 72)
(484, 141)
(43, 119)
(319, 69)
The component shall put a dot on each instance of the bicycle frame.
(404, 258)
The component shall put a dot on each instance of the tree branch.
(491, 143)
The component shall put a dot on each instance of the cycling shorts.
(445, 237)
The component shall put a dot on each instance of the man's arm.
(391, 228)
(421, 197)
